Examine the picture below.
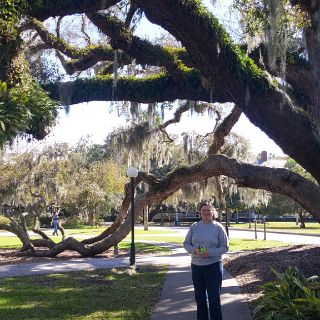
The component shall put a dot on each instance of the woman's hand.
(201, 253)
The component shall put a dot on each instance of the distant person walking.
(55, 222)
(207, 241)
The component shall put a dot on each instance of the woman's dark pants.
(207, 281)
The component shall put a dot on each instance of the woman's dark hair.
(209, 203)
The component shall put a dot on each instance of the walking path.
(176, 301)
(177, 298)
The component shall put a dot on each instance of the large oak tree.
(207, 67)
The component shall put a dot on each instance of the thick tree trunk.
(91, 218)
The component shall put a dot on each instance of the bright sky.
(95, 121)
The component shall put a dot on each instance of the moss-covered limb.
(44, 9)
(210, 47)
(105, 52)
(8, 52)
(38, 47)
(10, 42)
(83, 59)
(142, 50)
(299, 75)
(93, 57)
(293, 58)
(156, 88)
(218, 58)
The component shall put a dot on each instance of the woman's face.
(207, 213)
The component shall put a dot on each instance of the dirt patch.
(253, 268)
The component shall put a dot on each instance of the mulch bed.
(252, 268)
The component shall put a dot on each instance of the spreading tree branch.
(222, 62)
(132, 10)
(160, 87)
(142, 50)
(83, 59)
(223, 129)
(281, 181)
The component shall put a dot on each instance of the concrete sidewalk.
(177, 297)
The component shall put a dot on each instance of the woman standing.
(207, 241)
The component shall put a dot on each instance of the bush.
(45, 220)
(291, 297)
(73, 222)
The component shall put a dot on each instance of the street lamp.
(132, 173)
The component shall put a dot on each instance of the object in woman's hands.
(202, 249)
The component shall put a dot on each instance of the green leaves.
(25, 108)
(10, 14)
(11, 10)
(292, 296)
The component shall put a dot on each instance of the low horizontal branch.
(160, 87)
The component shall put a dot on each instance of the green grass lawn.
(96, 231)
(145, 247)
(251, 244)
(98, 294)
(14, 242)
(91, 232)
(9, 242)
(311, 227)
(235, 244)
(157, 236)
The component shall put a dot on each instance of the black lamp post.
(132, 174)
